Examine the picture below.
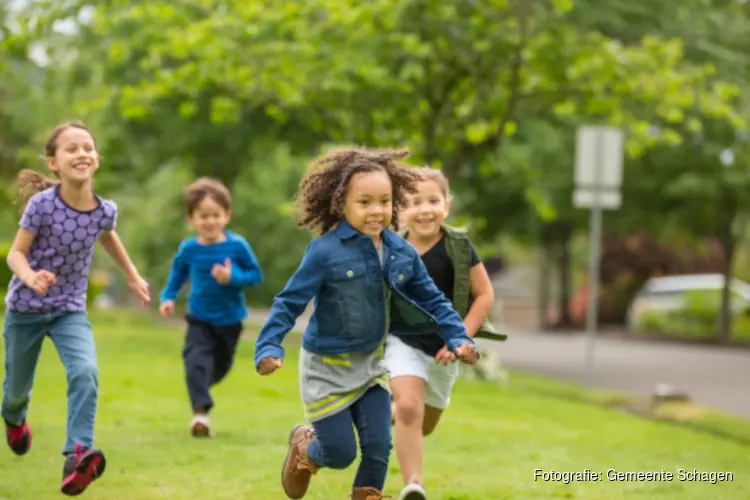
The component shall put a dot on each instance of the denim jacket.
(341, 270)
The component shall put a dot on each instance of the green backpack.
(459, 251)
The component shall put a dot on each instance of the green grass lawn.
(487, 447)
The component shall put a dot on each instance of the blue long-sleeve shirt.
(209, 300)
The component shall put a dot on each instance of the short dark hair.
(206, 187)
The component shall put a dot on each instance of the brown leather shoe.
(298, 469)
(367, 493)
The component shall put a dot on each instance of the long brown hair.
(30, 182)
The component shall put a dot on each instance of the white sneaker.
(200, 426)
(413, 491)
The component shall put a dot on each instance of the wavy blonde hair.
(427, 173)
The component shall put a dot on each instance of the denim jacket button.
(350, 273)
(401, 277)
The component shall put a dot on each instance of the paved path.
(712, 376)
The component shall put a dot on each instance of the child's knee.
(409, 411)
(339, 454)
(85, 373)
(196, 360)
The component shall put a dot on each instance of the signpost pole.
(598, 176)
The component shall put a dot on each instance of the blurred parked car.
(668, 294)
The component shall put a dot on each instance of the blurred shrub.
(698, 319)
(98, 282)
(629, 261)
(5, 273)
(263, 213)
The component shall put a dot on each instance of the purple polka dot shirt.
(64, 245)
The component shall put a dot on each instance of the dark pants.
(208, 356)
(335, 445)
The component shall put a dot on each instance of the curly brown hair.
(206, 187)
(30, 182)
(322, 190)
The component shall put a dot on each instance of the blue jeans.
(335, 446)
(71, 333)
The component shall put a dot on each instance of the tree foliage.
(491, 91)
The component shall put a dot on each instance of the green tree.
(473, 87)
(686, 182)
(447, 78)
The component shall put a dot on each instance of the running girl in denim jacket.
(50, 258)
(354, 270)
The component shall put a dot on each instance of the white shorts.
(404, 360)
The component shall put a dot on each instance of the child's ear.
(51, 164)
(448, 205)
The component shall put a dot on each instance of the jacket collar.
(344, 230)
(392, 240)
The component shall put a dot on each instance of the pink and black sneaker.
(18, 437)
(81, 469)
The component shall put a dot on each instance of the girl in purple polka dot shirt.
(50, 258)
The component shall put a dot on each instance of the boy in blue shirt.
(219, 264)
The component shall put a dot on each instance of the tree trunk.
(564, 234)
(724, 326)
(545, 255)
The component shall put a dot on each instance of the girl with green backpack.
(422, 369)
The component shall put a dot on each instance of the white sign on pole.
(598, 177)
(585, 198)
(599, 156)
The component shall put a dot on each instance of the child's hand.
(268, 365)
(40, 281)
(444, 356)
(467, 353)
(222, 274)
(166, 308)
(139, 286)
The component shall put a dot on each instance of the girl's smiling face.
(368, 205)
(427, 209)
(75, 159)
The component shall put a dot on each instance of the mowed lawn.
(487, 447)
